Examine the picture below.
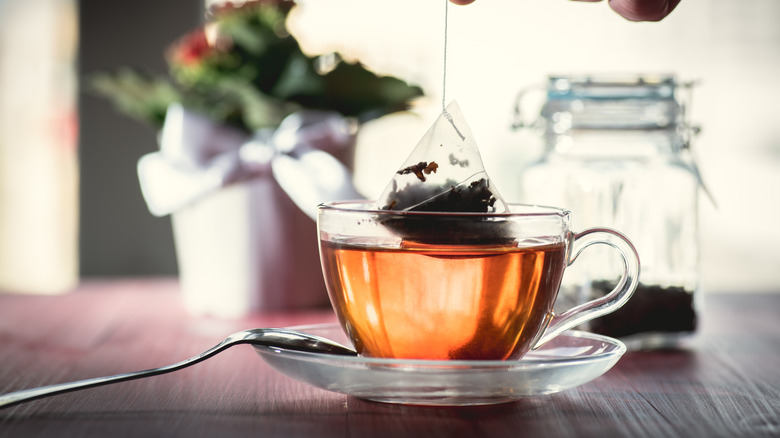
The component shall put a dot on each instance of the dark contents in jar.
(652, 309)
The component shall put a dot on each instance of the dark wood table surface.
(725, 383)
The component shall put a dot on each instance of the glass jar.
(617, 154)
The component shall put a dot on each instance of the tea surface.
(443, 301)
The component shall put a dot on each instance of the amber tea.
(444, 301)
(457, 285)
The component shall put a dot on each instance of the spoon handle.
(25, 395)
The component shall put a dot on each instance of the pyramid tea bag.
(444, 173)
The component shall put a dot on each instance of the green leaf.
(142, 97)
(353, 90)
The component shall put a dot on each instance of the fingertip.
(643, 10)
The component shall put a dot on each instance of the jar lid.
(612, 87)
(611, 102)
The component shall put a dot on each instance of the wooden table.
(726, 383)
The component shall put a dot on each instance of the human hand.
(641, 10)
(632, 10)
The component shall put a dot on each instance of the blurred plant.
(243, 68)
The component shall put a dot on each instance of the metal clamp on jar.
(617, 153)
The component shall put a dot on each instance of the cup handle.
(558, 323)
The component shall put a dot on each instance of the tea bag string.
(444, 78)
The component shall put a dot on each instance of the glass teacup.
(451, 286)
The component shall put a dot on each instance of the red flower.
(190, 49)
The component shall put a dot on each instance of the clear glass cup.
(458, 286)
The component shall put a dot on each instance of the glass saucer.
(569, 360)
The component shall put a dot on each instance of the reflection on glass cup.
(432, 285)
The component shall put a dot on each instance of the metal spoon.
(270, 337)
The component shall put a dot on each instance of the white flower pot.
(245, 249)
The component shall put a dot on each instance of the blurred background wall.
(118, 236)
(496, 48)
